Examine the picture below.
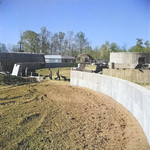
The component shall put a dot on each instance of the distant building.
(68, 59)
(59, 59)
(128, 59)
(85, 58)
(22, 60)
(55, 61)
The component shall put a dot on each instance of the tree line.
(48, 43)
(68, 44)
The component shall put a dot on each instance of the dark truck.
(100, 64)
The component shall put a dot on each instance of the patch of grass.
(21, 113)
(62, 72)
(143, 84)
(90, 67)
(23, 110)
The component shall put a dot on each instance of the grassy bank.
(54, 115)
(23, 110)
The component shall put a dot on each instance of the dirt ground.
(54, 116)
(147, 87)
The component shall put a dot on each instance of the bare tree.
(81, 42)
(61, 36)
(55, 44)
(44, 38)
(70, 39)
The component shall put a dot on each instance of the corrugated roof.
(53, 56)
(58, 57)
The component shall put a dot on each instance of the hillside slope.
(54, 115)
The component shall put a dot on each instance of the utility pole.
(20, 43)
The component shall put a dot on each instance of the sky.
(118, 21)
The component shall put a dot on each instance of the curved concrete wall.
(134, 97)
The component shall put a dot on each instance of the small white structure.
(59, 59)
(53, 59)
(15, 71)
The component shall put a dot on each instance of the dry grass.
(54, 115)
(62, 71)
(22, 110)
(90, 67)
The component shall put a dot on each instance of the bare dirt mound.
(69, 117)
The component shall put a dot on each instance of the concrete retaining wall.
(133, 75)
(133, 97)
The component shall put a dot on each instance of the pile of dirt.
(52, 116)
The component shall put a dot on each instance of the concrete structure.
(15, 71)
(133, 97)
(133, 75)
(128, 59)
